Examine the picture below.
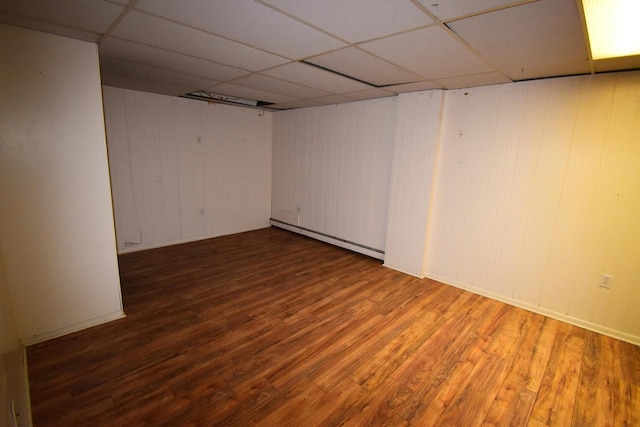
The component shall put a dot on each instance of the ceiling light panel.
(547, 33)
(450, 9)
(146, 29)
(89, 15)
(430, 52)
(311, 76)
(355, 63)
(356, 20)
(248, 22)
(613, 27)
(135, 52)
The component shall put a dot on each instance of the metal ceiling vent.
(203, 95)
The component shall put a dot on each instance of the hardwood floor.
(272, 328)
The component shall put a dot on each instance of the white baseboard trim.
(328, 239)
(141, 247)
(594, 327)
(35, 339)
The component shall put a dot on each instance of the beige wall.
(56, 220)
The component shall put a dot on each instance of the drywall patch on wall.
(332, 169)
(538, 195)
(184, 170)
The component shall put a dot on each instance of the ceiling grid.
(292, 54)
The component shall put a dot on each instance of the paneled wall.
(538, 195)
(184, 170)
(331, 169)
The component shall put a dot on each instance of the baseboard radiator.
(337, 241)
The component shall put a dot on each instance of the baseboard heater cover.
(323, 237)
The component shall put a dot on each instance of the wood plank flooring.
(271, 328)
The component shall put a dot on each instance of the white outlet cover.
(605, 281)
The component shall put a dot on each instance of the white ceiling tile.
(89, 15)
(484, 79)
(369, 94)
(529, 36)
(135, 52)
(245, 48)
(301, 103)
(430, 52)
(47, 27)
(248, 22)
(142, 84)
(249, 93)
(623, 63)
(549, 70)
(356, 20)
(271, 84)
(448, 9)
(146, 29)
(413, 87)
(311, 76)
(333, 99)
(121, 67)
(358, 64)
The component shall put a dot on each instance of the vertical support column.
(418, 123)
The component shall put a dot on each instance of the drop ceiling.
(300, 53)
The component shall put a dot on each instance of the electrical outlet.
(605, 281)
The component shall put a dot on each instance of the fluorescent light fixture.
(203, 95)
(613, 27)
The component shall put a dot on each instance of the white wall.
(56, 221)
(414, 160)
(538, 195)
(184, 170)
(332, 164)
